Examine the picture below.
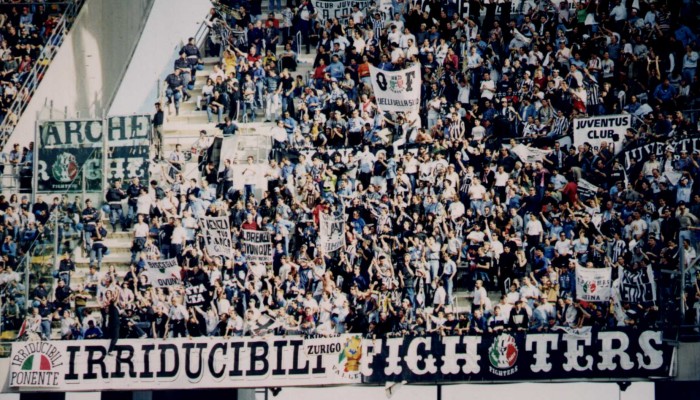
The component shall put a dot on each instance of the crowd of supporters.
(25, 30)
(431, 202)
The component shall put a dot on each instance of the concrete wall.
(85, 74)
(162, 38)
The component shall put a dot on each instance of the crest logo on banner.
(397, 91)
(65, 168)
(503, 355)
(38, 364)
(593, 284)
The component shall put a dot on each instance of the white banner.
(606, 128)
(529, 154)
(586, 190)
(397, 91)
(217, 235)
(331, 233)
(340, 9)
(182, 363)
(593, 284)
(257, 246)
(163, 273)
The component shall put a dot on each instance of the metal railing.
(34, 77)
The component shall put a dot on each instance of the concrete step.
(115, 258)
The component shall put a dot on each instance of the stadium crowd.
(25, 30)
(432, 201)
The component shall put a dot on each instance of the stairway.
(180, 129)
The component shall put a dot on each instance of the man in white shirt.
(480, 296)
(178, 239)
(488, 87)
(404, 41)
(177, 316)
(563, 245)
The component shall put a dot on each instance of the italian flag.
(36, 362)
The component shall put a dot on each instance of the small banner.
(197, 295)
(340, 9)
(593, 284)
(257, 246)
(529, 154)
(331, 233)
(586, 190)
(163, 273)
(637, 286)
(217, 236)
(397, 91)
(604, 128)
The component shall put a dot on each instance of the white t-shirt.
(488, 88)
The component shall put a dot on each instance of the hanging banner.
(66, 150)
(637, 286)
(217, 236)
(257, 246)
(340, 9)
(163, 273)
(518, 357)
(642, 153)
(604, 128)
(593, 284)
(397, 91)
(331, 233)
(276, 361)
(197, 295)
(128, 144)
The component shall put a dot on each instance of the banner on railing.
(163, 273)
(66, 150)
(331, 233)
(347, 359)
(257, 246)
(593, 284)
(397, 91)
(129, 145)
(604, 128)
(217, 236)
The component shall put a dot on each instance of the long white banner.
(180, 363)
(257, 246)
(397, 91)
(217, 235)
(606, 128)
(593, 284)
